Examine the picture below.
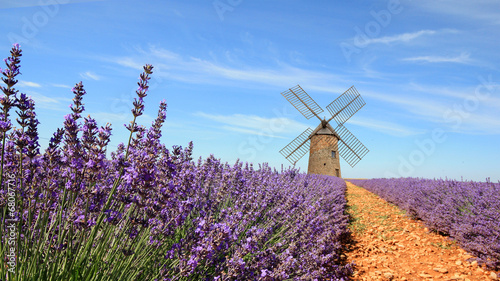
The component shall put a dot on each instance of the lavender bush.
(152, 213)
(467, 211)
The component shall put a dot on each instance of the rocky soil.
(388, 245)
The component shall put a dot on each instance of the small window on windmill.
(334, 154)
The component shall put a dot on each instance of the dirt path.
(387, 245)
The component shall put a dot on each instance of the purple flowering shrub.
(467, 211)
(152, 213)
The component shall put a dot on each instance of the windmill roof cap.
(324, 131)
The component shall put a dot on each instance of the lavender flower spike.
(142, 90)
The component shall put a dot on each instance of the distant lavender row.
(468, 211)
(152, 213)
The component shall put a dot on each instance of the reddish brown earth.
(388, 245)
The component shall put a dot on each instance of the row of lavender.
(467, 211)
(152, 213)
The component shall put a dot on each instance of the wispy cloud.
(251, 132)
(462, 58)
(90, 75)
(390, 128)
(45, 102)
(177, 13)
(423, 106)
(107, 117)
(116, 119)
(28, 84)
(255, 125)
(462, 93)
(173, 66)
(39, 98)
(61, 86)
(448, 111)
(405, 37)
(477, 123)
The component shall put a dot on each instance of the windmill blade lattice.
(346, 105)
(298, 147)
(350, 148)
(302, 102)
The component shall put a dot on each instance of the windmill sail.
(302, 102)
(346, 105)
(350, 148)
(298, 147)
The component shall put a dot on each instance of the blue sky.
(428, 71)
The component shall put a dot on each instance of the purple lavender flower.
(7, 101)
(5, 126)
(32, 132)
(12, 70)
(142, 90)
(80, 219)
(77, 106)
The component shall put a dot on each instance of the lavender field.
(469, 212)
(152, 213)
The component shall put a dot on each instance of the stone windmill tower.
(325, 144)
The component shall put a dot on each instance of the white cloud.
(405, 37)
(255, 125)
(28, 84)
(165, 54)
(39, 98)
(461, 113)
(113, 118)
(477, 123)
(90, 75)
(45, 102)
(61, 86)
(421, 106)
(386, 127)
(196, 70)
(177, 13)
(119, 118)
(172, 66)
(462, 58)
(490, 99)
(129, 62)
(251, 132)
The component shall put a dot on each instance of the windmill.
(325, 143)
